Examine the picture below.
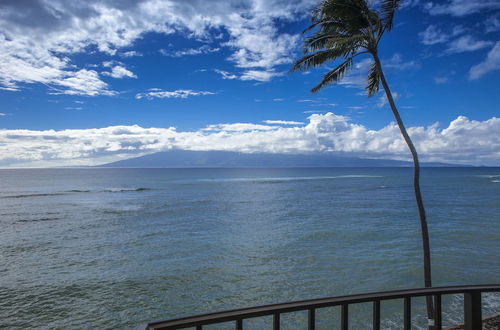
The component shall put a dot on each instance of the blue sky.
(84, 83)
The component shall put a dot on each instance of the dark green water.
(114, 248)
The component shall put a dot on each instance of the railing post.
(407, 313)
(472, 311)
(376, 315)
(311, 319)
(438, 324)
(276, 321)
(344, 317)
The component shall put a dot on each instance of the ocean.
(116, 248)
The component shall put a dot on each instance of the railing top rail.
(244, 313)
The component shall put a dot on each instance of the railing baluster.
(407, 313)
(239, 324)
(311, 319)
(437, 311)
(376, 315)
(344, 317)
(472, 311)
(276, 321)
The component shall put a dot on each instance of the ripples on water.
(114, 248)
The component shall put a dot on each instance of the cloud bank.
(38, 37)
(462, 141)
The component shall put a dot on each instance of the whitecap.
(125, 189)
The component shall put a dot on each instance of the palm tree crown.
(346, 29)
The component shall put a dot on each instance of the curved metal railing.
(472, 309)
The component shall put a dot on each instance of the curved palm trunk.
(416, 185)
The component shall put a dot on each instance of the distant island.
(188, 158)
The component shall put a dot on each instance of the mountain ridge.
(187, 158)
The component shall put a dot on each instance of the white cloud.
(491, 63)
(225, 74)
(458, 30)
(323, 104)
(119, 71)
(38, 37)
(461, 7)
(396, 62)
(180, 93)
(110, 64)
(283, 122)
(467, 44)
(492, 24)
(82, 82)
(239, 127)
(314, 111)
(441, 80)
(20, 62)
(252, 45)
(2, 114)
(131, 53)
(205, 49)
(257, 75)
(463, 141)
(382, 101)
(432, 35)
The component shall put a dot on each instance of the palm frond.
(318, 58)
(334, 75)
(318, 41)
(373, 80)
(389, 7)
(353, 43)
(332, 24)
(330, 41)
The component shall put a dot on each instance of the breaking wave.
(38, 219)
(33, 195)
(75, 191)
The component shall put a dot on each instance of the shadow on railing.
(472, 309)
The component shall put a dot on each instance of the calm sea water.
(115, 248)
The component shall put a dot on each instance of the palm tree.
(346, 29)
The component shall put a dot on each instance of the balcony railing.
(472, 309)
